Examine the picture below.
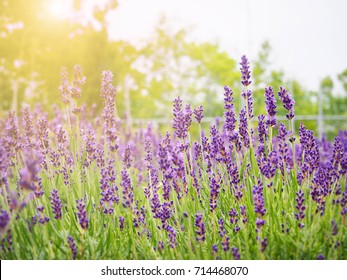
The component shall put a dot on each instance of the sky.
(308, 37)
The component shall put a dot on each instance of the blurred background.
(159, 49)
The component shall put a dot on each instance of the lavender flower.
(270, 106)
(77, 82)
(108, 94)
(28, 176)
(160, 245)
(72, 246)
(198, 113)
(82, 214)
(214, 249)
(199, 224)
(127, 157)
(263, 245)
(56, 204)
(65, 88)
(244, 214)
(282, 147)
(233, 216)
(121, 222)
(288, 102)
(258, 199)
(259, 223)
(225, 238)
(128, 196)
(243, 128)
(182, 119)
(235, 252)
(221, 230)
(172, 236)
(149, 153)
(28, 128)
(300, 207)
(41, 218)
(268, 165)
(166, 210)
(247, 95)
(226, 243)
(245, 72)
(262, 130)
(214, 192)
(230, 116)
(4, 220)
(338, 153)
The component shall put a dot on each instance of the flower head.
(56, 204)
(245, 72)
(199, 224)
(270, 106)
(82, 214)
(288, 102)
(72, 246)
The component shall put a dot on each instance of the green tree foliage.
(35, 46)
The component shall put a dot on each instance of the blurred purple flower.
(121, 222)
(288, 102)
(199, 114)
(4, 221)
(72, 246)
(82, 214)
(182, 118)
(56, 204)
(235, 252)
(199, 224)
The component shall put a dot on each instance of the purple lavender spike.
(245, 72)
(214, 192)
(270, 107)
(182, 118)
(56, 204)
(300, 207)
(72, 246)
(258, 199)
(4, 220)
(127, 157)
(243, 128)
(199, 224)
(82, 214)
(288, 102)
(121, 222)
(235, 252)
(199, 114)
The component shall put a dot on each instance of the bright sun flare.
(59, 8)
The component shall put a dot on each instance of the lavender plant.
(245, 190)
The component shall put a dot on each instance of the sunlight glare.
(59, 8)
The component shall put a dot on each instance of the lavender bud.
(72, 246)
(235, 252)
(200, 227)
(245, 72)
(56, 204)
(82, 214)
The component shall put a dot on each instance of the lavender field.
(83, 185)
